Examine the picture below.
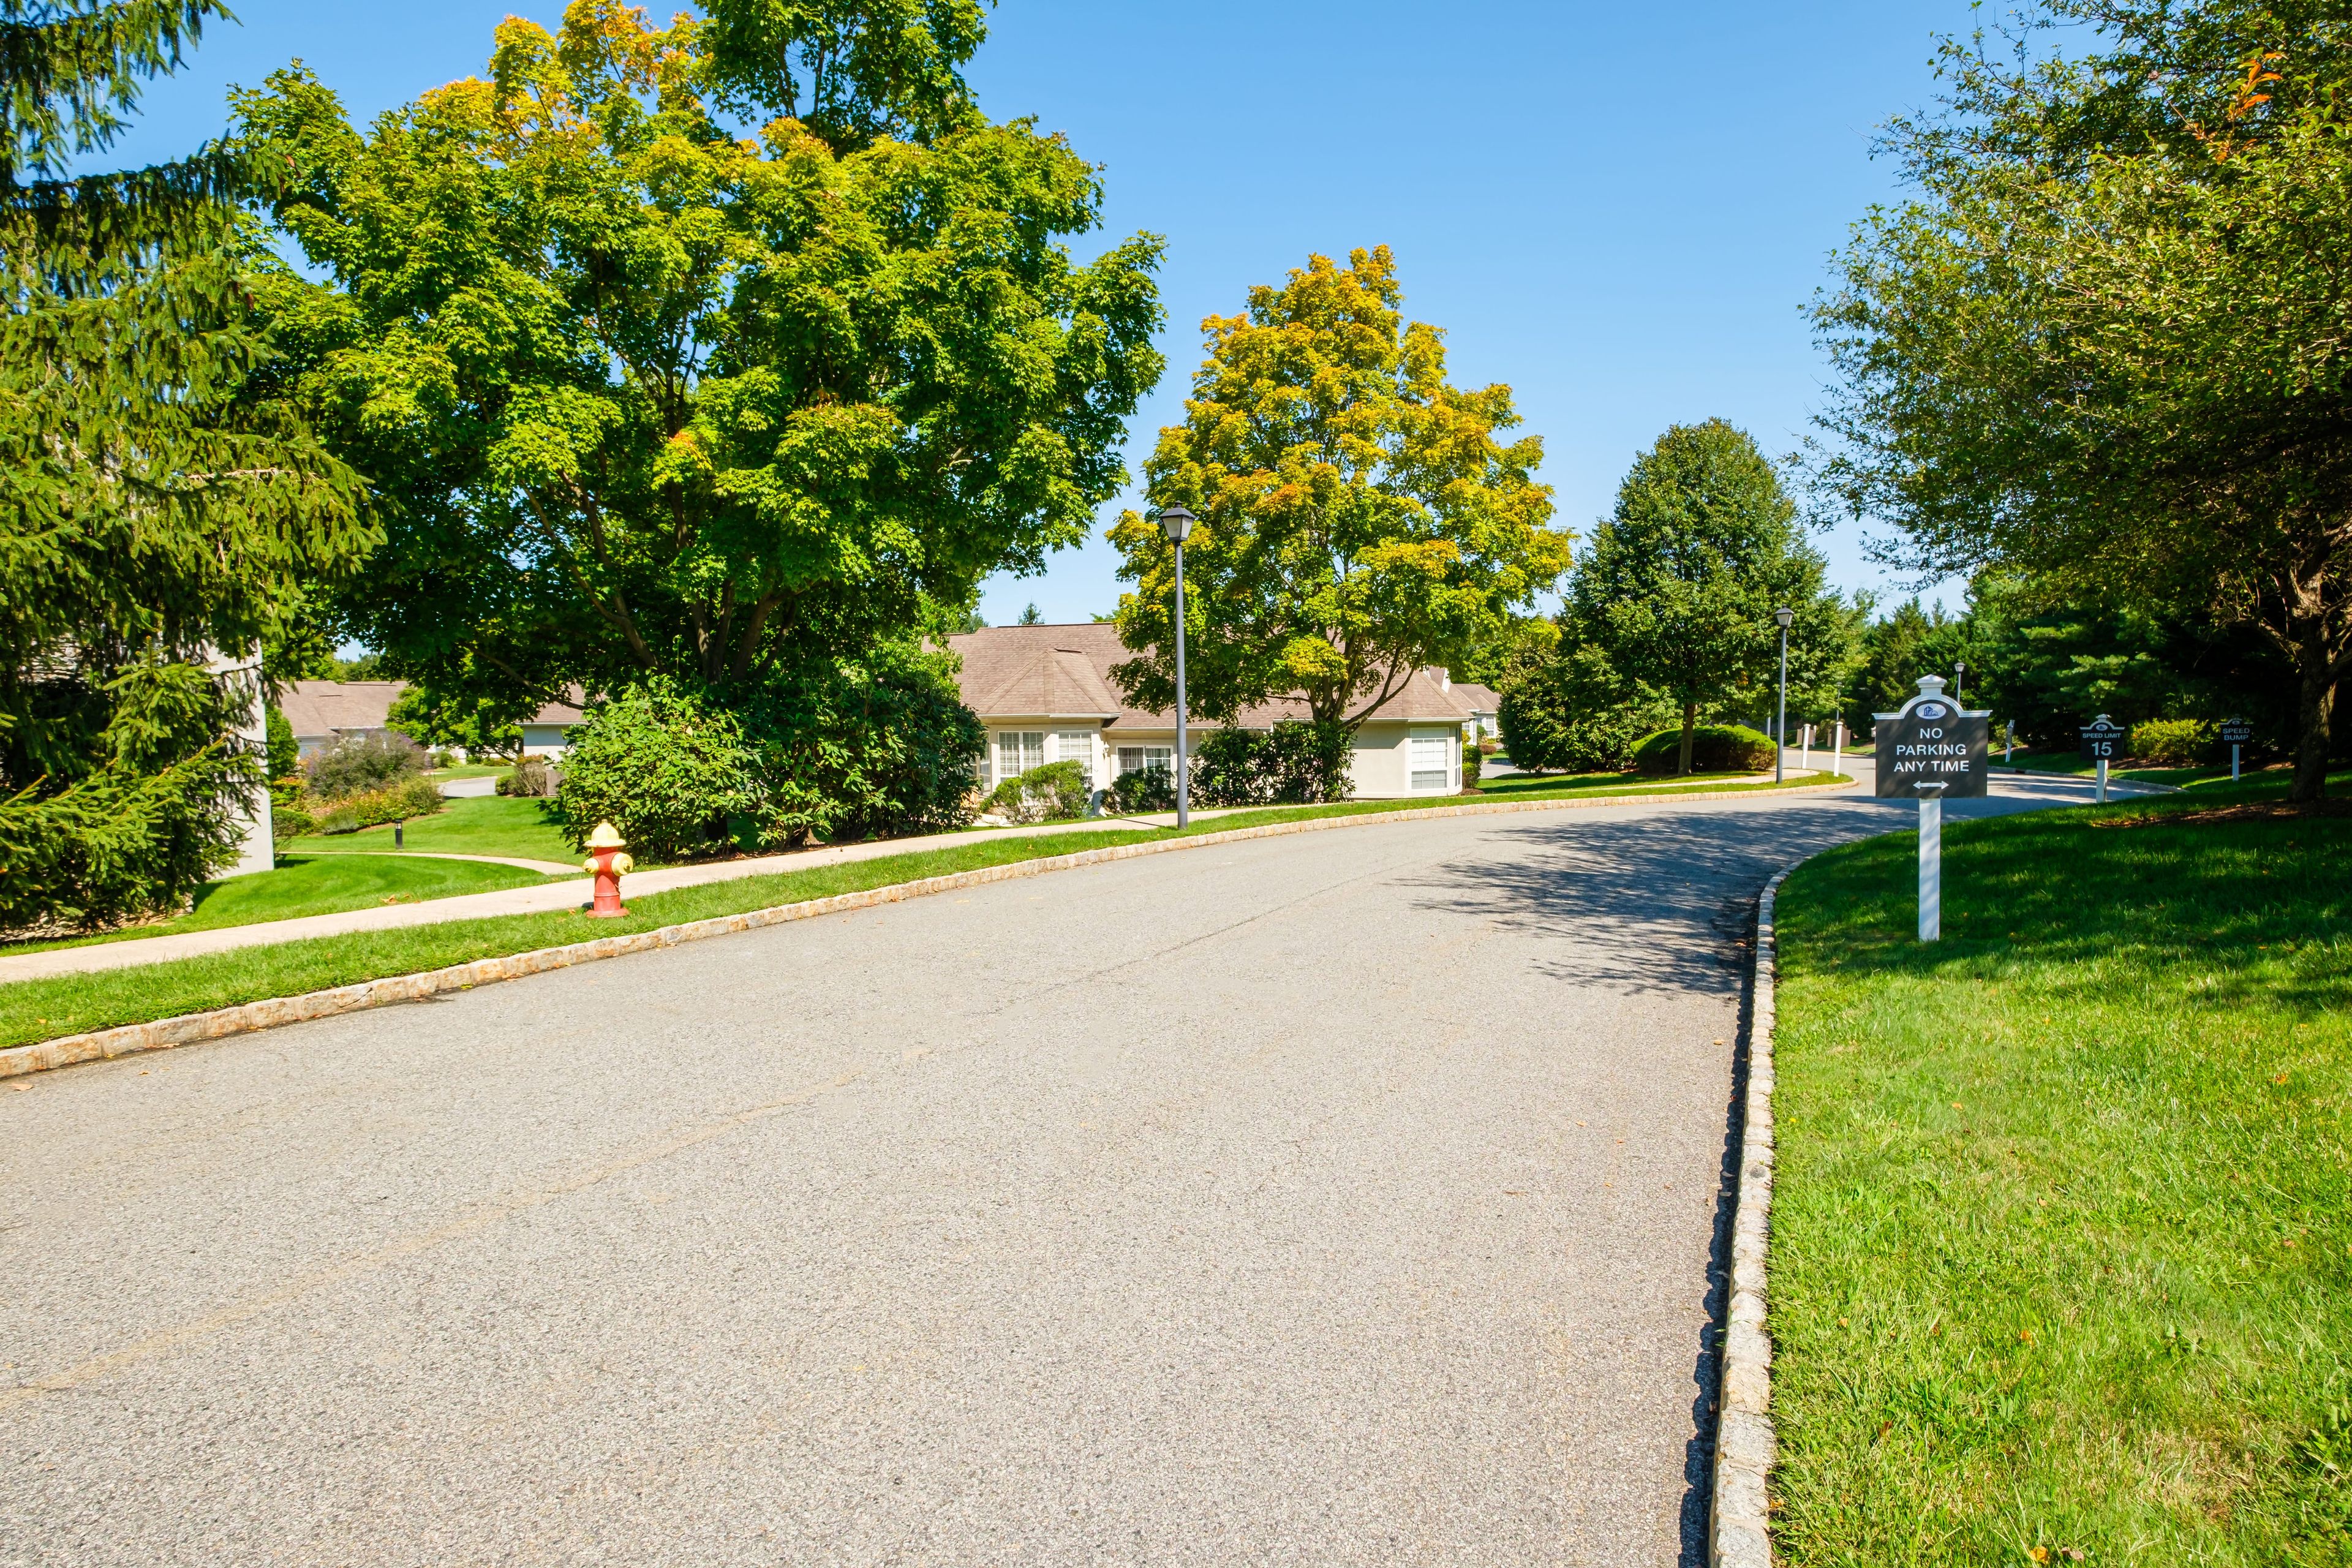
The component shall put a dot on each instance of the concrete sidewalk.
(569, 893)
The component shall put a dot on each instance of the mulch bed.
(2248, 810)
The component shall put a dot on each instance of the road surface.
(1351, 1198)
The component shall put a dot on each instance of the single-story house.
(1045, 694)
(327, 712)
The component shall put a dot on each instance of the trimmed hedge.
(1715, 749)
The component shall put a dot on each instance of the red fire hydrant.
(605, 860)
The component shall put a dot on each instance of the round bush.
(1145, 789)
(1715, 749)
(363, 765)
(1055, 793)
(668, 770)
(2174, 742)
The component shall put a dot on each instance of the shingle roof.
(1485, 699)
(1008, 668)
(324, 707)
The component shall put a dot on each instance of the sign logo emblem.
(1928, 711)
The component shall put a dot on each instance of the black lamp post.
(1959, 671)
(1177, 524)
(1780, 738)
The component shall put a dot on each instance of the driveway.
(1344, 1198)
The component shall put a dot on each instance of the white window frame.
(1414, 771)
(1021, 739)
(1146, 758)
(1076, 746)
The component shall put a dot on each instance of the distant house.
(543, 732)
(1484, 705)
(325, 712)
(1046, 695)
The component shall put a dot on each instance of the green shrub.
(1145, 789)
(872, 747)
(529, 778)
(2174, 742)
(1574, 713)
(290, 822)
(362, 764)
(1055, 793)
(1471, 759)
(1715, 749)
(1294, 764)
(409, 798)
(668, 769)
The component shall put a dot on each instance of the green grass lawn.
(478, 824)
(2071, 761)
(307, 885)
(2061, 1251)
(32, 1010)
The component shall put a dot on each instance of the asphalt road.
(1343, 1198)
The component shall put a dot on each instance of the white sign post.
(2103, 738)
(1805, 759)
(2237, 731)
(1931, 861)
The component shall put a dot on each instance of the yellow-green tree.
(1358, 516)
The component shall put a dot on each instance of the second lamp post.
(1780, 738)
(1176, 523)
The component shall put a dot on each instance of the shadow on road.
(1650, 904)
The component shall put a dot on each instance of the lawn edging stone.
(1739, 1515)
(192, 1028)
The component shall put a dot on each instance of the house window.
(1431, 764)
(1018, 751)
(1135, 759)
(1076, 746)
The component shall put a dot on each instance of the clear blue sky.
(1620, 211)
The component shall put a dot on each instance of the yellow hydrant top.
(604, 836)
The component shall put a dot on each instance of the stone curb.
(1740, 1519)
(189, 1028)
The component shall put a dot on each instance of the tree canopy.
(642, 395)
(1679, 586)
(1358, 516)
(2102, 345)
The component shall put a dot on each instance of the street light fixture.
(1780, 736)
(1960, 670)
(1177, 524)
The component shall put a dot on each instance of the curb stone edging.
(190, 1028)
(1740, 1519)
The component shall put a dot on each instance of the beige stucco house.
(1046, 695)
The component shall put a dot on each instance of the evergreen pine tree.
(157, 503)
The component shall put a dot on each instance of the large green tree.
(643, 396)
(159, 504)
(1678, 588)
(2103, 344)
(1358, 515)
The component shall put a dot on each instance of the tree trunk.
(1690, 722)
(2314, 728)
